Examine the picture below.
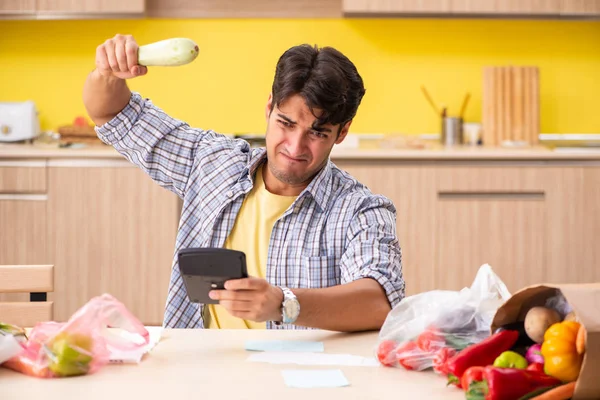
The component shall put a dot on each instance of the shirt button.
(229, 193)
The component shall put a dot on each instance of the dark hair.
(324, 77)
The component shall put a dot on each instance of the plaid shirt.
(335, 232)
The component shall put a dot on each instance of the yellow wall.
(225, 89)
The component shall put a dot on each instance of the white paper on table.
(275, 357)
(134, 356)
(9, 347)
(284, 345)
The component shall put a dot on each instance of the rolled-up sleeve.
(163, 147)
(373, 249)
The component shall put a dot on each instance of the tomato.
(536, 367)
(386, 353)
(430, 341)
(410, 356)
(80, 121)
(440, 358)
(472, 374)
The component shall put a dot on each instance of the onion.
(534, 354)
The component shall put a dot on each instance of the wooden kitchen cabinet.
(97, 7)
(507, 7)
(449, 8)
(591, 226)
(110, 230)
(22, 177)
(532, 223)
(493, 215)
(23, 239)
(503, 231)
(573, 196)
(23, 226)
(23, 233)
(17, 7)
(397, 6)
(244, 9)
(580, 7)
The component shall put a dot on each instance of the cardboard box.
(585, 301)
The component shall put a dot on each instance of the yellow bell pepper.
(561, 359)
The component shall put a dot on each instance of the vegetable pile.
(537, 358)
(432, 347)
(63, 354)
(80, 346)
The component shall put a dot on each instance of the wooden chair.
(37, 280)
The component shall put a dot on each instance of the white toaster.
(18, 121)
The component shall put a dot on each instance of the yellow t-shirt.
(251, 234)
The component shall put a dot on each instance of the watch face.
(291, 308)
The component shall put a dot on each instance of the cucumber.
(167, 53)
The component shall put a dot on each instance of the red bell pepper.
(472, 374)
(480, 354)
(509, 384)
(539, 367)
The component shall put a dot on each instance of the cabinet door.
(506, 232)
(490, 215)
(591, 225)
(90, 6)
(413, 192)
(111, 230)
(533, 7)
(17, 7)
(397, 6)
(244, 9)
(22, 233)
(573, 199)
(22, 176)
(580, 7)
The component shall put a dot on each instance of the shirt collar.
(319, 188)
(255, 160)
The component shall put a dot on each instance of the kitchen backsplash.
(226, 88)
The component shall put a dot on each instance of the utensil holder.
(452, 131)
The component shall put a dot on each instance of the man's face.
(296, 147)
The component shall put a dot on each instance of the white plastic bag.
(423, 330)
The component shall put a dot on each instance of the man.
(321, 249)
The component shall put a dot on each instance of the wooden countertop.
(26, 151)
(197, 363)
(466, 153)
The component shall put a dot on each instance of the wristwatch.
(290, 307)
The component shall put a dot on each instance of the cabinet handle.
(491, 195)
(23, 164)
(26, 197)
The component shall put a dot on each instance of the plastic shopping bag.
(11, 337)
(426, 329)
(83, 344)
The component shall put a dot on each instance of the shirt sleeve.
(163, 147)
(373, 249)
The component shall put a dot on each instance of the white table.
(212, 364)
